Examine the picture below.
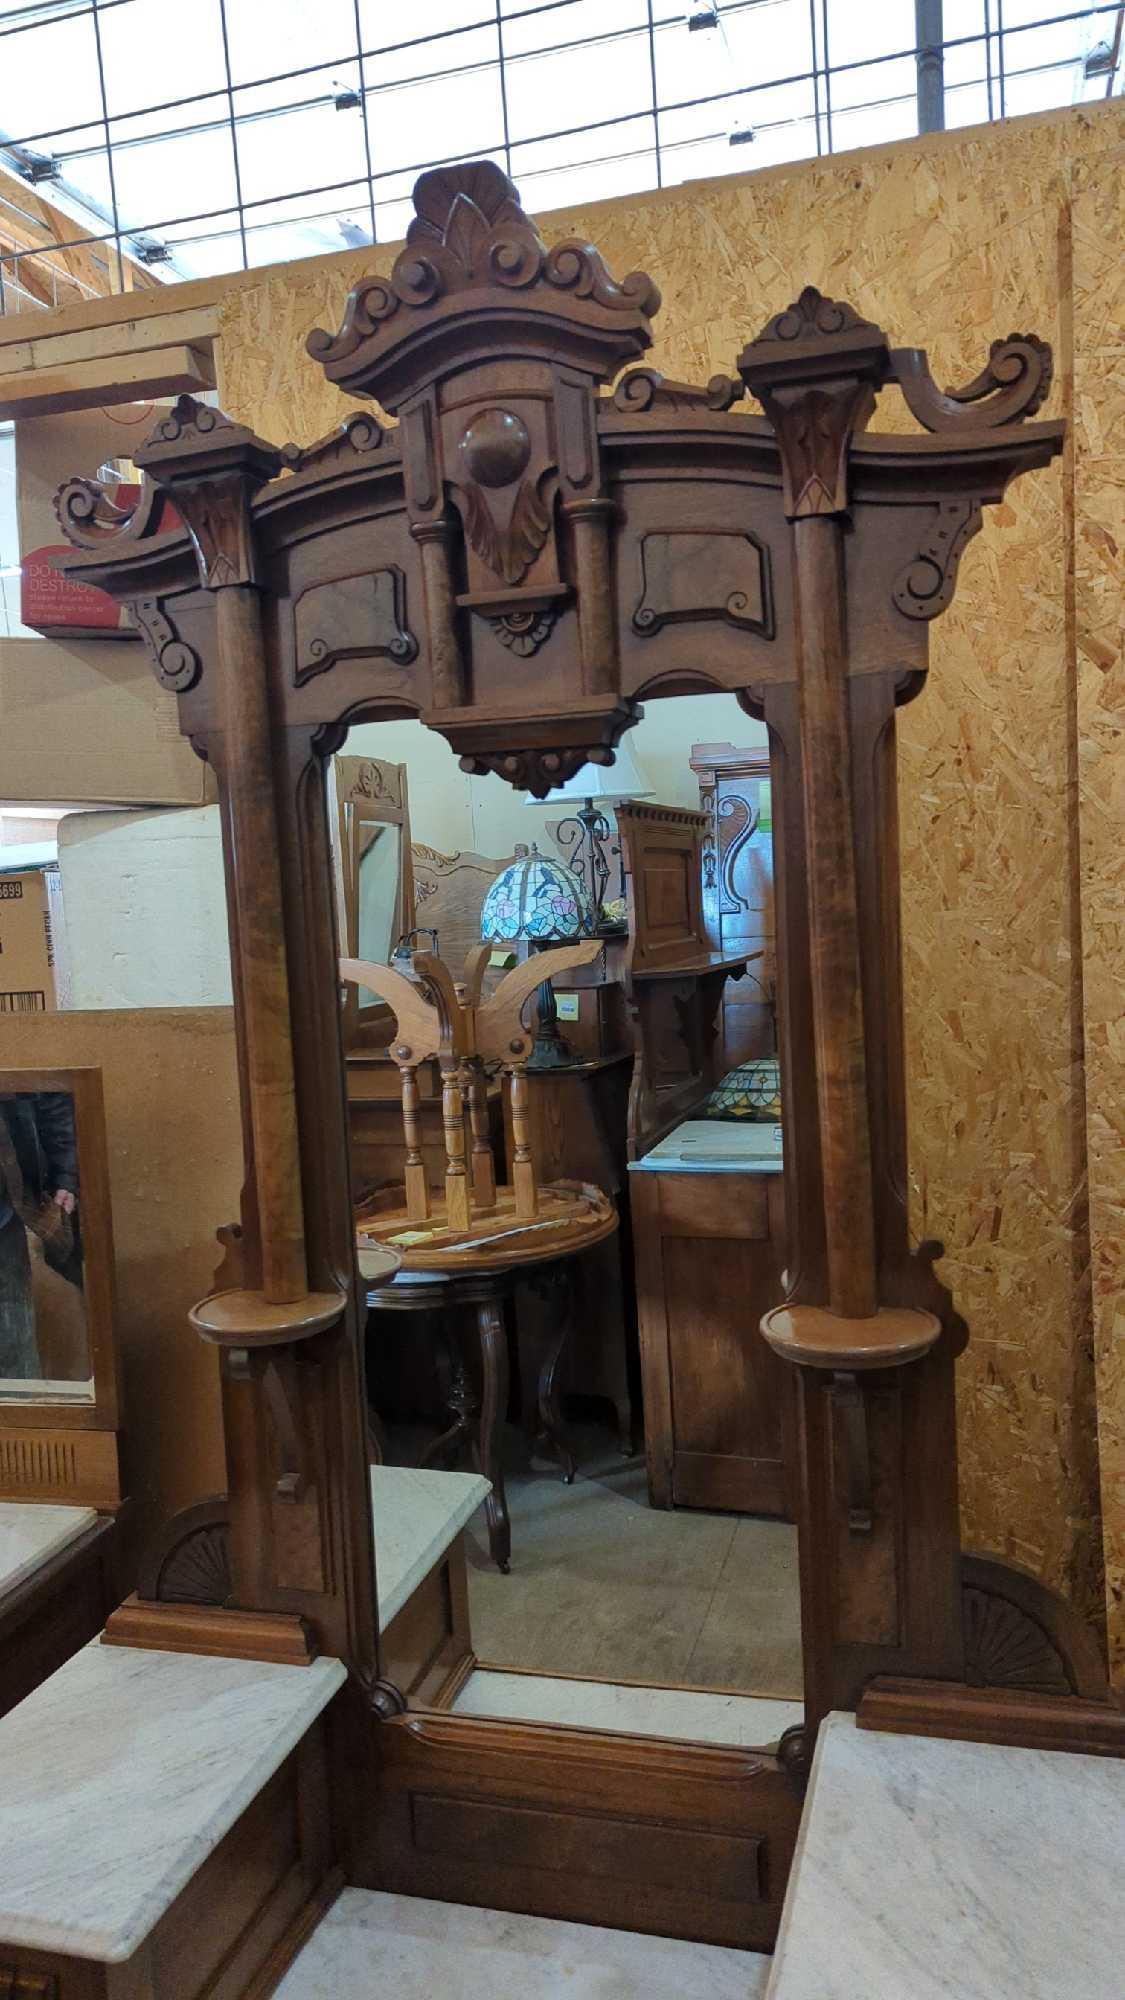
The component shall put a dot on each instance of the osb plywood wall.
(948, 243)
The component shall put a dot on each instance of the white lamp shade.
(606, 784)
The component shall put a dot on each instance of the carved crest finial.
(470, 234)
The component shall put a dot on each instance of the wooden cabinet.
(718, 1413)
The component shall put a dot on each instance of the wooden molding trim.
(603, 1751)
(72, 1467)
(993, 1715)
(188, 1628)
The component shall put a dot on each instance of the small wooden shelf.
(813, 1337)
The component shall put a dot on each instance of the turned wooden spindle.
(523, 1168)
(458, 1199)
(417, 1190)
(484, 1166)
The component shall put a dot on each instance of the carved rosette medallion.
(523, 632)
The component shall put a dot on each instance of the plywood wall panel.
(948, 242)
(1099, 561)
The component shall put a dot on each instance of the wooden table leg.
(493, 1410)
(561, 1292)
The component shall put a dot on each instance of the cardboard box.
(27, 959)
(85, 722)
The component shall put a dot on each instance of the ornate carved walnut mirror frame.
(518, 562)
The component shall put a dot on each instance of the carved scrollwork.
(358, 435)
(90, 519)
(1013, 384)
(188, 417)
(728, 807)
(577, 267)
(523, 632)
(176, 663)
(646, 389)
(469, 231)
(812, 317)
(190, 1561)
(926, 586)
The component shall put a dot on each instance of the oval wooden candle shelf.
(813, 1337)
(570, 1216)
(242, 1318)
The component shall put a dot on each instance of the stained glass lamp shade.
(537, 901)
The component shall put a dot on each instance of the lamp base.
(550, 1052)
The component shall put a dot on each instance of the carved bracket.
(925, 587)
(177, 666)
(647, 389)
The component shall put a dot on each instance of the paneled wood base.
(677, 1839)
(240, 1921)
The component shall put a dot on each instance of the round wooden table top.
(570, 1217)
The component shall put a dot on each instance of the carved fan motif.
(1006, 1648)
(190, 1563)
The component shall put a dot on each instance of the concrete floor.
(603, 1585)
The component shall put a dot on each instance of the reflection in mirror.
(44, 1335)
(590, 1450)
(369, 817)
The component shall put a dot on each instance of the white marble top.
(715, 1146)
(685, 1714)
(928, 1870)
(122, 1773)
(30, 1534)
(372, 1944)
(417, 1515)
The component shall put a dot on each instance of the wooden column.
(841, 1071)
(244, 709)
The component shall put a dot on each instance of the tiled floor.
(371, 1945)
(683, 1713)
(606, 1586)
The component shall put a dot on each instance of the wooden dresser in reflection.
(708, 1245)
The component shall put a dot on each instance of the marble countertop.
(417, 1514)
(30, 1534)
(122, 1773)
(715, 1146)
(928, 1870)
